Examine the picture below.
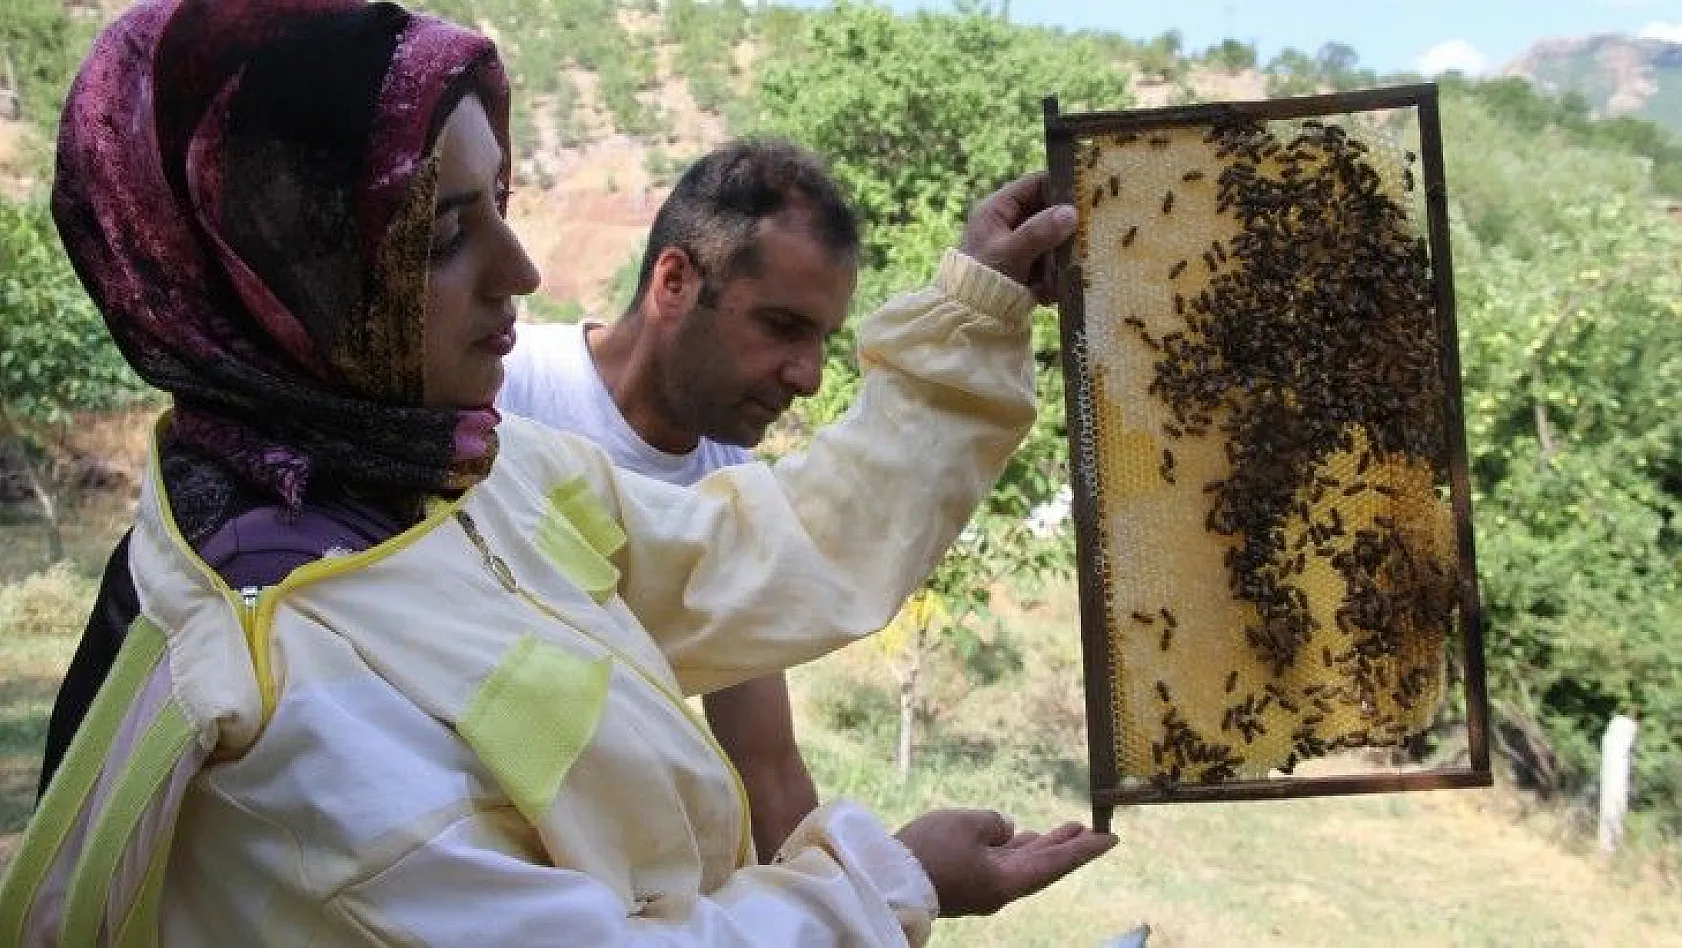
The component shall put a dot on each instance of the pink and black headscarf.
(246, 190)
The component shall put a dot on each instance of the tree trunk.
(38, 482)
(49, 511)
(908, 705)
(1544, 433)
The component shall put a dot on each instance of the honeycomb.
(1266, 436)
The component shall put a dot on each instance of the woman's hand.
(979, 863)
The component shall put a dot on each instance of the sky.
(1424, 36)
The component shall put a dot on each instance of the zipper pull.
(494, 563)
(249, 595)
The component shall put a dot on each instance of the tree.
(920, 115)
(40, 47)
(1336, 63)
(1231, 55)
(1574, 364)
(1292, 72)
(55, 355)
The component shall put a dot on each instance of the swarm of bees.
(1296, 396)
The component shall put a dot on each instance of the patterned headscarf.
(246, 188)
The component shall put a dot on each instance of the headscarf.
(246, 190)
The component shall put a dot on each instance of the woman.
(401, 674)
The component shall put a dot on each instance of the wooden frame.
(1062, 133)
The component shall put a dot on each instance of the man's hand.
(979, 863)
(1012, 229)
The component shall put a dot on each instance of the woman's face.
(477, 266)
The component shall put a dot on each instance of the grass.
(41, 616)
(1448, 868)
(1488, 867)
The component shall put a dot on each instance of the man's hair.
(714, 212)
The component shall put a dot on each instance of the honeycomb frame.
(1213, 746)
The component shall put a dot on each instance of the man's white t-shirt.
(551, 378)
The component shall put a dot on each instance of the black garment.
(113, 612)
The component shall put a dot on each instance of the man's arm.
(754, 723)
(757, 569)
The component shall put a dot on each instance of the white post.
(1615, 748)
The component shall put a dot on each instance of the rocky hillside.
(1616, 75)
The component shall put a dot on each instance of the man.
(750, 266)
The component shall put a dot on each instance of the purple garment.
(256, 548)
(262, 546)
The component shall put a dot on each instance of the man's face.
(733, 367)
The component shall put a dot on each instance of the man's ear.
(675, 285)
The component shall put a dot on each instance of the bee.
(1167, 639)
(1127, 238)
(1231, 681)
(1175, 271)
(1162, 691)
(1168, 203)
(1168, 617)
(1115, 185)
(1097, 196)
(1191, 176)
(1143, 618)
(1160, 141)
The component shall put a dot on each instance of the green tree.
(1574, 365)
(55, 355)
(1231, 55)
(40, 48)
(1292, 72)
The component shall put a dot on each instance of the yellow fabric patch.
(578, 535)
(148, 770)
(532, 717)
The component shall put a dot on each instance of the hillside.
(1615, 75)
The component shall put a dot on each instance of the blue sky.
(1423, 35)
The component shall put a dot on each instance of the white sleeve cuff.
(982, 288)
(870, 854)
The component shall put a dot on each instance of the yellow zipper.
(255, 606)
(505, 578)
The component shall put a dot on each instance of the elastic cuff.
(982, 288)
(864, 847)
